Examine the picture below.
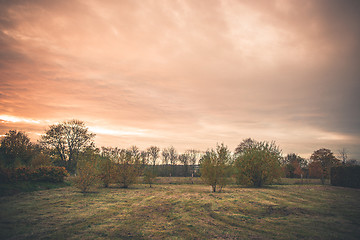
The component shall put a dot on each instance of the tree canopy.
(215, 167)
(259, 164)
(245, 145)
(293, 165)
(68, 139)
(323, 159)
(16, 149)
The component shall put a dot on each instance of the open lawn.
(183, 211)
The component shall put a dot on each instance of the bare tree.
(135, 152)
(343, 155)
(154, 154)
(144, 156)
(165, 159)
(184, 159)
(193, 158)
(165, 156)
(173, 158)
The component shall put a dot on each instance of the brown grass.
(183, 211)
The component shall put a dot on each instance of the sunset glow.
(185, 73)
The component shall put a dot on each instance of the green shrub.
(215, 167)
(345, 176)
(258, 165)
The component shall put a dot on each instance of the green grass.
(183, 211)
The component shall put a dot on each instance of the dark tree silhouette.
(16, 149)
(69, 139)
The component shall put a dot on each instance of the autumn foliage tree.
(215, 167)
(193, 157)
(293, 165)
(315, 170)
(259, 164)
(321, 162)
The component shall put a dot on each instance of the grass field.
(183, 211)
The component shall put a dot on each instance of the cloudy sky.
(185, 73)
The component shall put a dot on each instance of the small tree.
(105, 166)
(126, 168)
(323, 159)
(258, 165)
(87, 171)
(215, 167)
(149, 176)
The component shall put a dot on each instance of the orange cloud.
(184, 73)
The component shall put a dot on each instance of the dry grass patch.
(168, 211)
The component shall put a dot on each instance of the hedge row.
(345, 176)
(45, 174)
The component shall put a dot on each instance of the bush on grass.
(44, 174)
(87, 174)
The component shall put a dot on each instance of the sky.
(185, 73)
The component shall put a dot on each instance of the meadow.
(175, 209)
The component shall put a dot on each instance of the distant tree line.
(69, 144)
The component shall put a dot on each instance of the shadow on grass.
(9, 189)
